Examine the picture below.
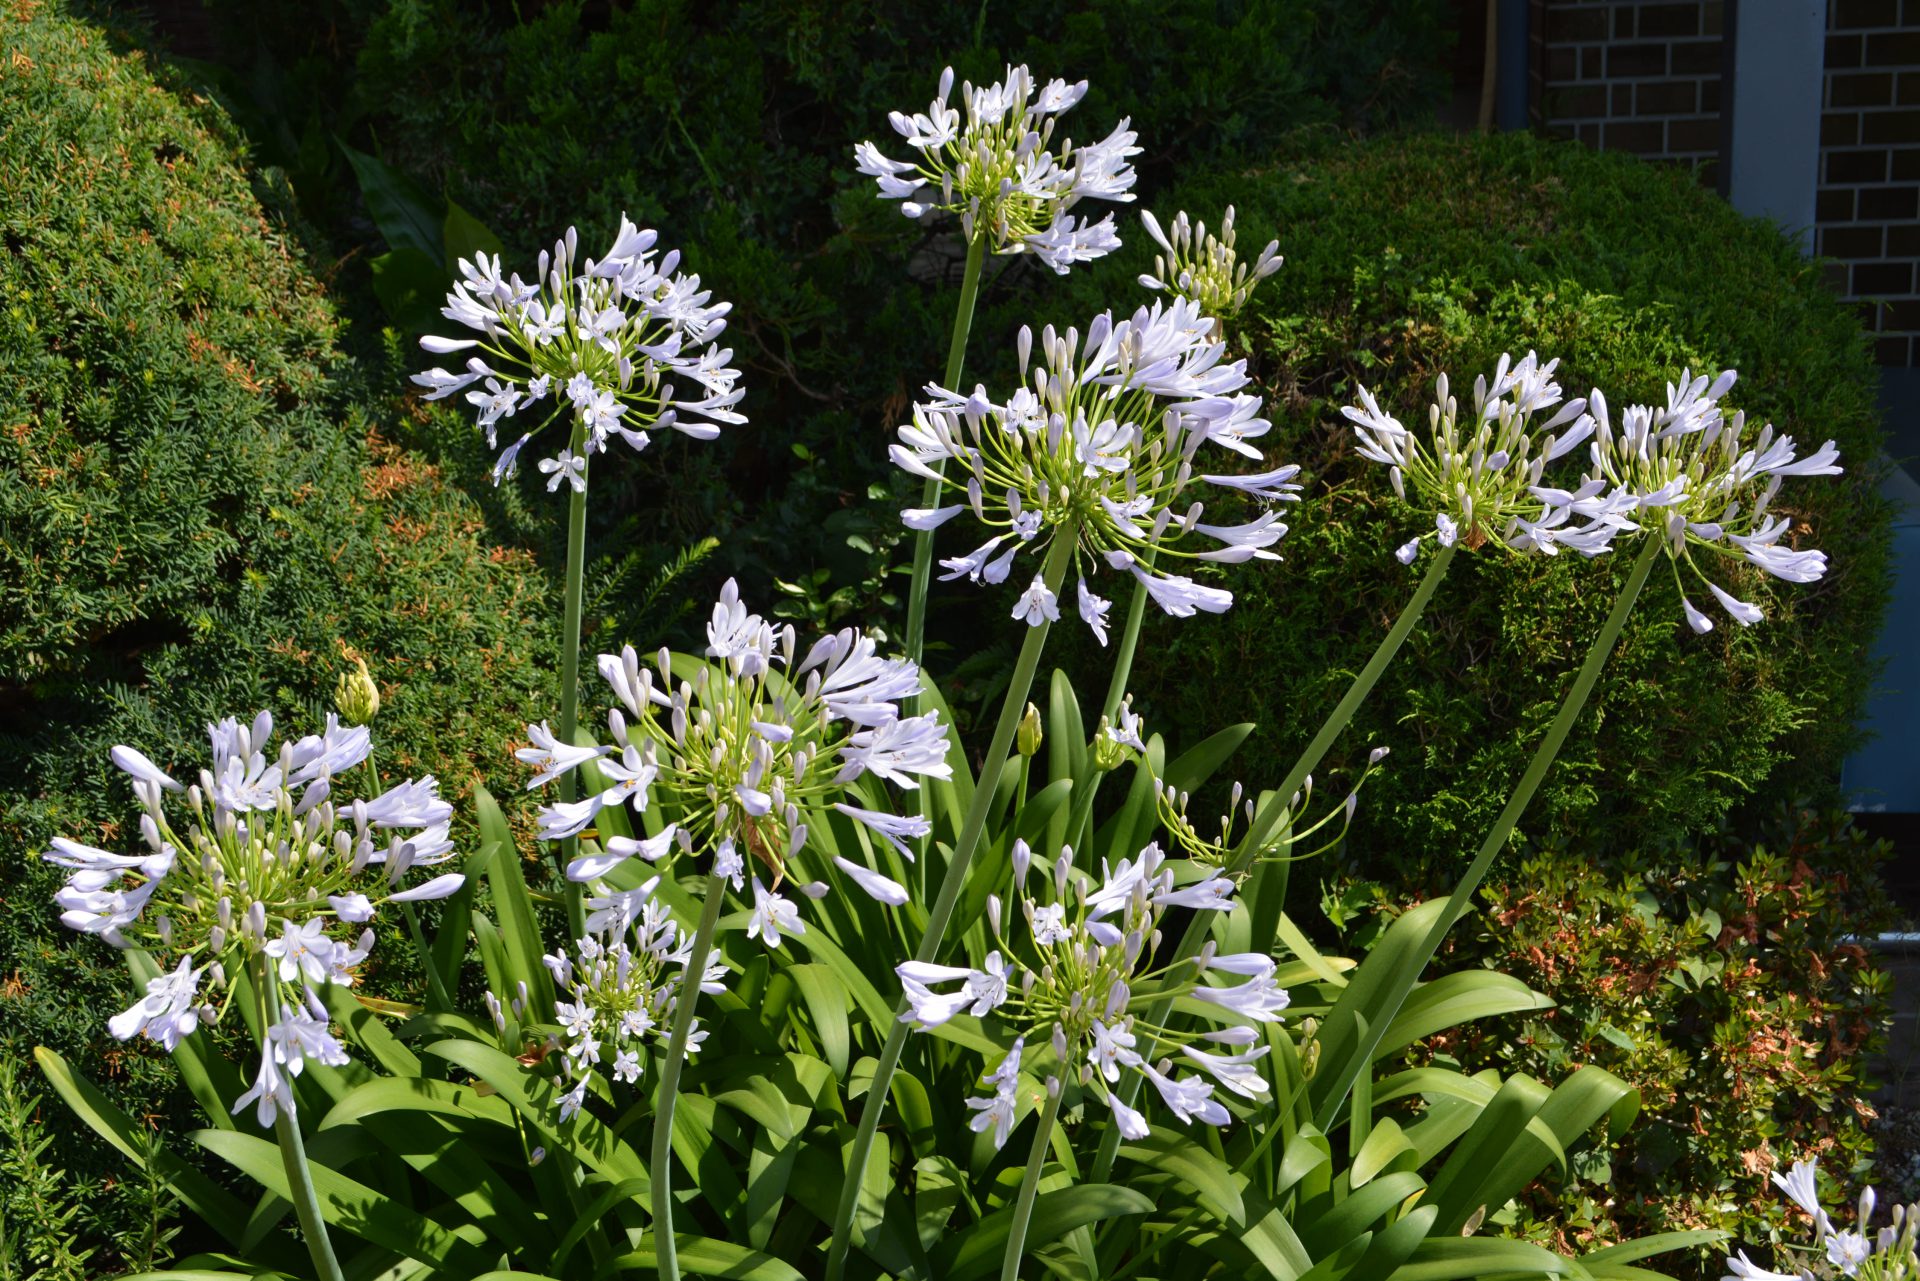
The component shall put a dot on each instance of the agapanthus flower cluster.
(1238, 820)
(1071, 971)
(746, 753)
(1203, 268)
(269, 867)
(1480, 477)
(615, 345)
(618, 985)
(1886, 1254)
(998, 171)
(1101, 443)
(1686, 472)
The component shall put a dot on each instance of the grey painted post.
(1774, 161)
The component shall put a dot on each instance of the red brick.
(1904, 241)
(1865, 13)
(1906, 165)
(1840, 129)
(1869, 314)
(1872, 89)
(1636, 60)
(1835, 276)
(1670, 20)
(1566, 24)
(1856, 166)
(1843, 52)
(1889, 204)
(1890, 352)
(1697, 57)
(1701, 134)
(1890, 126)
(1592, 66)
(1908, 94)
(1710, 96)
(1623, 22)
(1882, 279)
(1642, 137)
(1710, 18)
(1622, 100)
(1673, 98)
(1833, 204)
(1850, 242)
(1894, 49)
(1570, 104)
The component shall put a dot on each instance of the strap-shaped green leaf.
(1193, 767)
(519, 927)
(827, 1004)
(704, 1257)
(975, 1253)
(1453, 999)
(353, 1207)
(535, 1099)
(221, 1210)
(1199, 1169)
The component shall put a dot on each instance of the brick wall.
(1633, 75)
(1868, 210)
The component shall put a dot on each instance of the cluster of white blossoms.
(1071, 972)
(269, 868)
(998, 172)
(614, 344)
(747, 753)
(1686, 472)
(620, 983)
(1481, 478)
(1203, 268)
(1100, 441)
(1887, 1254)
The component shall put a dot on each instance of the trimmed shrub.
(197, 512)
(1412, 255)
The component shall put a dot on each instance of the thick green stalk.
(1344, 1062)
(570, 668)
(1123, 654)
(1029, 1185)
(1268, 819)
(1059, 556)
(293, 1153)
(930, 490)
(661, 1170)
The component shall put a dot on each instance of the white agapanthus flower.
(1062, 975)
(997, 170)
(1686, 472)
(1102, 438)
(617, 988)
(1479, 477)
(269, 866)
(1203, 268)
(624, 344)
(1883, 1254)
(747, 754)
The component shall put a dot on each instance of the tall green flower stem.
(667, 1259)
(1267, 818)
(930, 490)
(570, 666)
(1029, 1185)
(293, 1152)
(1347, 1045)
(1110, 708)
(972, 828)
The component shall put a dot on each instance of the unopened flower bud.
(356, 695)
(1030, 734)
(1108, 754)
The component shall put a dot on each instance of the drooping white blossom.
(270, 864)
(1102, 438)
(1688, 474)
(1064, 978)
(746, 753)
(624, 345)
(992, 162)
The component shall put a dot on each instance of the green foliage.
(730, 127)
(1408, 256)
(1726, 982)
(444, 1145)
(199, 514)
